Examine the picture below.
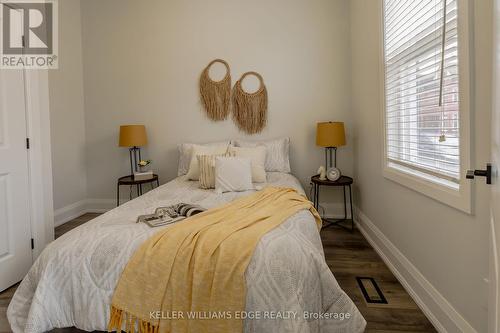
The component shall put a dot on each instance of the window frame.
(452, 194)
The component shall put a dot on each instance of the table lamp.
(331, 135)
(133, 137)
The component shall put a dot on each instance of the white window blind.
(421, 86)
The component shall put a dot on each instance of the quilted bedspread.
(289, 286)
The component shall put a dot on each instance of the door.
(15, 233)
(494, 304)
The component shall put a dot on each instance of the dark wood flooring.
(348, 255)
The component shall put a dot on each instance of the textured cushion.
(257, 156)
(207, 169)
(233, 174)
(185, 152)
(194, 168)
(277, 153)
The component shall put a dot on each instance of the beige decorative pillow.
(207, 169)
(233, 174)
(194, 168)
(257, 156)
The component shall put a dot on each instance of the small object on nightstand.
(342, 181)
(143, 175)
(322, 173)
(144, 165)
(333, 174)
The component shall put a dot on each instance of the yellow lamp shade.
(133, 136)
(330, 134)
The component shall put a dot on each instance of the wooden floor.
(348, 255)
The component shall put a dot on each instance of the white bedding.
(72, 281)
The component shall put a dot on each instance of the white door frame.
(494, 248)
(493, 302)
(39, 158)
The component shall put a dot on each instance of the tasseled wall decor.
(250, 109)
(216, 95)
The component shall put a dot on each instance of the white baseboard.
(74, 210)
(69, 212)
(440, 312)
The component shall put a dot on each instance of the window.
(423, 99)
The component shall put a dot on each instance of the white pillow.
(233, 174)
(185, 150)
(194, 167)
(277, 155)
(257, 156)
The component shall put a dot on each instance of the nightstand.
(344, 182)
(129, 180)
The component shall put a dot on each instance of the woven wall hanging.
(216, 95)
(250, 109)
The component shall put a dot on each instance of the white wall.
(67, 111)
(142, 62)
(447, 246)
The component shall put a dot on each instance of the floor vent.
(371, 291)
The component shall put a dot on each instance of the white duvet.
(288, 281)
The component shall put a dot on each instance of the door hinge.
(27, 143)
(32, 244)
(23, 41)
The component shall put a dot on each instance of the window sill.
(455, 195)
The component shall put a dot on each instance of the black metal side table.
(130, 181)
(344, 182)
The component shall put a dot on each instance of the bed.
(72, 282)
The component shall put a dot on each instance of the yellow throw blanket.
(197, 267)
